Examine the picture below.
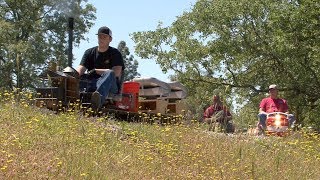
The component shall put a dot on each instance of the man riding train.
(104, 65)
(218, 115)
(273, 104)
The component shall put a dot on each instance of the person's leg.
(210, 123)
(87, 84)
(219, 121)
(262, 120)
(291, 120)
(219, 116)
(95, 100)
(106, 84)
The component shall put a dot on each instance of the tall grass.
(39, 144)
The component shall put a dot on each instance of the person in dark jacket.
(104, 65)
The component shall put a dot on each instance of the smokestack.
(70, 31)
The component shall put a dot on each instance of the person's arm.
(262, 109)
(286, 108)
(83, 66)
(226, 112)
(206, 115)
(229, 116)
(117, 71)
(81, 69)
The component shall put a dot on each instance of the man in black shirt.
(104, 65)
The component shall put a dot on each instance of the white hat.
(273, 86)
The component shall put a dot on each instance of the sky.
(124, 18)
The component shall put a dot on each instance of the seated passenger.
(273, 104)
(104, 65)
(216, 112)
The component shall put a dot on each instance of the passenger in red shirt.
(217, 110)
(273, 104)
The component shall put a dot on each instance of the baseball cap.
(104, 30)
(273, 86)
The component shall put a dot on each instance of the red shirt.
(211, 110)
(269, 105)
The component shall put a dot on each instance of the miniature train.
(140, 95)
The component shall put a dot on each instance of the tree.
(241, 47)
(131, 64)
(34, 33)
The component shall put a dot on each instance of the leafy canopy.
(240, 47)
(34, 33)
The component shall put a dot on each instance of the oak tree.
(240, 47)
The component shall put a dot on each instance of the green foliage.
(130, 63)
(246, 117)
(34, 33)
(242, 47)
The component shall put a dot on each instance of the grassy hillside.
(38, 144)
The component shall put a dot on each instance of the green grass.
(38, 144)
